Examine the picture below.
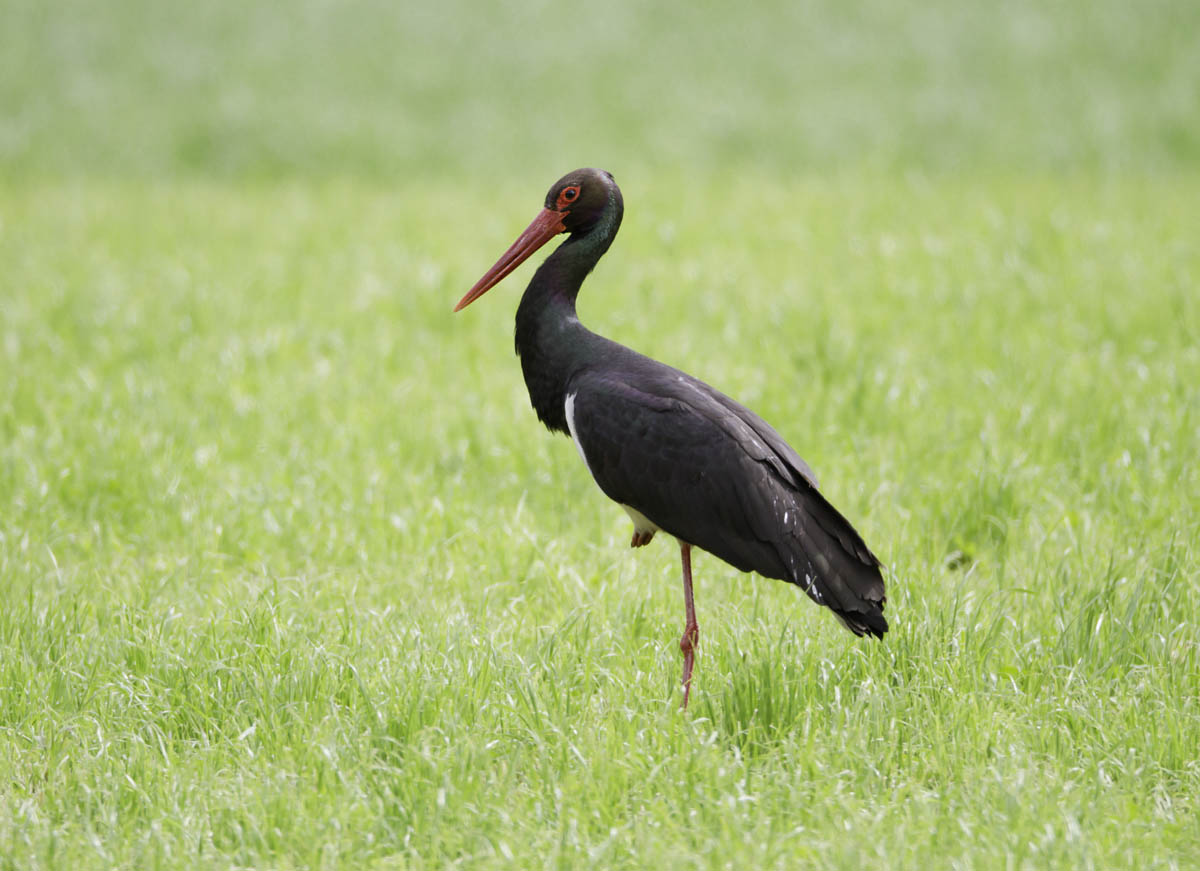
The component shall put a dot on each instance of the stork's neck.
(551, 342)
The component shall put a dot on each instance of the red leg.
(691, 632)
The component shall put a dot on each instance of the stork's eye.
(567, 196)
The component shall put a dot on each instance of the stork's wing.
(712, 473)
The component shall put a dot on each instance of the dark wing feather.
(712, 473)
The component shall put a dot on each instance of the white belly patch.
(569, 408)
(641, 523)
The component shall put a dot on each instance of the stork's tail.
(835, 567)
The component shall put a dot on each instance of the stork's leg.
(691, 632)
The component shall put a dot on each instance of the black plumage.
(712, 473)
(678, 455)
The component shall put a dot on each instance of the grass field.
(292, 577)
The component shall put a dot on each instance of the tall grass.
(290, 575)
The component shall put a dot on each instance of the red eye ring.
(567, 196)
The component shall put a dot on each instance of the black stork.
(676, 454)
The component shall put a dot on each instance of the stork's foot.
(688, 644)
(641, 537)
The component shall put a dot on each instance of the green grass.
(294, 578)
(398, 91)
(291, 577)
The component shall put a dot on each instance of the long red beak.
(545, 227)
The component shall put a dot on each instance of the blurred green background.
(397, 90)
(293, 578)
